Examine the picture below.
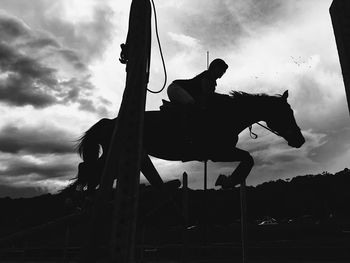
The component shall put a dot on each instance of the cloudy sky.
(59, 74)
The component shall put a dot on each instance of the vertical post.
(205, 175)
(124, 156)
(142, 246)
(243, 221)
(130, 133)
(207, 59)
(185, 214)
(206, 182)
(205, 201)
(339, 12)
(206, 161)
(66, 244)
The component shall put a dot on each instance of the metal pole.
(205, 175)
(207, 59)
(243, 221)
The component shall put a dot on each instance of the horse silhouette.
(212, 135)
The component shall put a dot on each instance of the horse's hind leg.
(241, 172)
(150, 172)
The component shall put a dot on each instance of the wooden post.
(205, 201)
(243, 221)
(339, 12)
(66, 244)
(206, 184)
(206, 161)
(124, 156)
(130, 139)
(185, 215)
(205, 175)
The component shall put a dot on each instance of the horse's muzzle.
(296, 142)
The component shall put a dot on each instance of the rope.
(124, 52)
(251, 133)
(160, 51)
(255, 136)
(267, 128)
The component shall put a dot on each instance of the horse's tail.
(88, 176)
(88, 147)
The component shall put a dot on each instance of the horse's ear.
(285, 95)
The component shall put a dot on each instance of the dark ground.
(312, 225)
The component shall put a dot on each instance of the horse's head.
(282, 121)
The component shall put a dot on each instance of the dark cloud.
(35, 140)
(90, 37)
(264, 12)
(223, 23)
(32, 155)
(285, 158)
(25, 172)
(309, 94)
(76, 87)
(73, 58)
(87, 105)
(42, 42)
(335, 146)
(29, 76)
(317, 107)
(21, 91)
(20, 167)
(12, 28)
(20, 191)
(216, 28)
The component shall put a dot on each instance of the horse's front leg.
(150, 172)
(153, 177)
(240, 173)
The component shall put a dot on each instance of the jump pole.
(124, 156)
(243, 221)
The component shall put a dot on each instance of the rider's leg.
(179, 95)
(240, 173)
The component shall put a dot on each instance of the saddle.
(171, 107)
(190, 120)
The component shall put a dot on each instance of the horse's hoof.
(173, 184)
(227, 182)
(221, 180)
(232, 181)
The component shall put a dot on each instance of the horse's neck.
(254, 110)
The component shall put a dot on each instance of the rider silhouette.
(193, 96)
(196, 91)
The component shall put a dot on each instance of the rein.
(255, 136)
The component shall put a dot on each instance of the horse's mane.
(241, 95)
(244, 97)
